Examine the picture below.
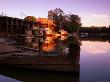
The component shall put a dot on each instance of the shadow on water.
(96, 38)
(68, 48)
(27, 75)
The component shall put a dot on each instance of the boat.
(41, 62)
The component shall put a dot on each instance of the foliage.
(94, 29)
(30, 18)
(70, 22)
(57, 15)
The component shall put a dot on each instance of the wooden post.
(22, 24)
(7, 24)
(74, 52)
(28, 26)
(0, 23)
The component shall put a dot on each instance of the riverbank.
(5, 47)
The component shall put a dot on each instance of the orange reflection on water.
(63, 37)
(49, 39)
(48, 47)
(49, 44)
(64, 32)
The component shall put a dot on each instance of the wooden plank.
(28, 48)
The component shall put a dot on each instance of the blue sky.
(92, 12)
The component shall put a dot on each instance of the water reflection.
(95, 38)
(7, 79)
(63, 51)
(54, 53)
(10, 74)
(48, 44)
(95, 59)
(95, 47)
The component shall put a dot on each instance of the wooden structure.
(10, 25)
(16, 26)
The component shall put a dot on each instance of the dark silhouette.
(69, 22)
(40, 45)
(94, 30)
(72, 23)
(57, 15)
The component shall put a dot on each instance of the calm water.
(94, 62)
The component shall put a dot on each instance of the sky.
(92, 12)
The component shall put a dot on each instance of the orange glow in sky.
(92, 12)
(96, 20)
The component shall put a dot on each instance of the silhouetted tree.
(30, 18)
(109, 26)
(57, 15)
(72, 23)
(94, 29)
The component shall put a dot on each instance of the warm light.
(57, 35)
(48, 39)
(45, 21)
(95, 20)
(64, 32)
(48, 24)
(49, 32)
(49, 44)
(63, 37)
(48, 48)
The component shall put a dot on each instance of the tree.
(57, 15)
(30, 18)
(72, 23)
(109, 26)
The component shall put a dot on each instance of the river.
(93, 60)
